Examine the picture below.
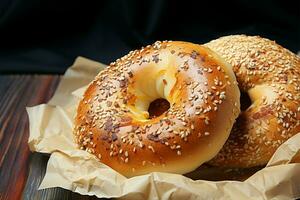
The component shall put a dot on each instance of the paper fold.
(73, 169)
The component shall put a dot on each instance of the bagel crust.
(270, 75)
(113, 122)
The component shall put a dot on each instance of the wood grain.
(21, 171)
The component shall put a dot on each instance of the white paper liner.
(73, 169)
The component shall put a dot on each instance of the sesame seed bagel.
(270, 75)
(114, 119)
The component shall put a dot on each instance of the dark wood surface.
(21, 171)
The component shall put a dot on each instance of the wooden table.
(21, 171)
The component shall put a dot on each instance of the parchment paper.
(73, 169)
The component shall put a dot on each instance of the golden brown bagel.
(270, 74)
(113, 121)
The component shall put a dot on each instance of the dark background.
(45, 36)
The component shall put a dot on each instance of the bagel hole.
(158, 107)
(245, 101)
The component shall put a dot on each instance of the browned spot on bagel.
(264, 111)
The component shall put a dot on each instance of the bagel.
(269, 74)
(168, 107)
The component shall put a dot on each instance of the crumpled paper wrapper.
(73, 169)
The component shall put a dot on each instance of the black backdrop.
(45, 36)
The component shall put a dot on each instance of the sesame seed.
(192, 126)
(206, 121)
(151, 148)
